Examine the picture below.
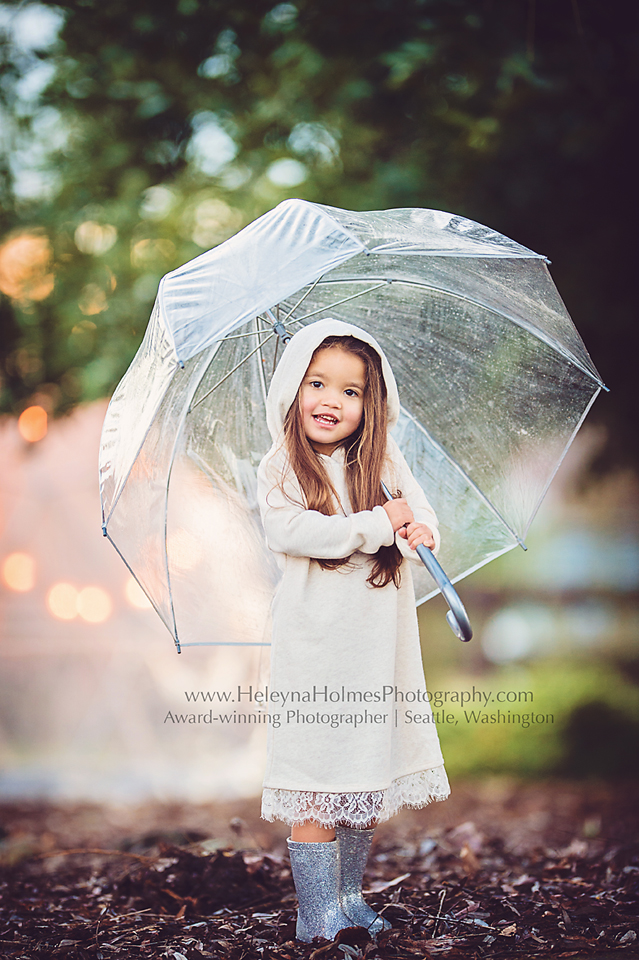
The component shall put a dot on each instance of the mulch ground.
(502, 869)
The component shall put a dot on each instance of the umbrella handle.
(456, 617)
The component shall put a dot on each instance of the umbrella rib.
(468, 479)
(225, 643)
(467, 573)
(239, 336)
(105, 519)
(301, 300)
(561, 459)
(261, 365)
(148, 596)
(178, 433)
(329, 306)
(227, 375)
(520, 323)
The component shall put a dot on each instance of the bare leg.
(311, 832)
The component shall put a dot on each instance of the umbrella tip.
(104, 530)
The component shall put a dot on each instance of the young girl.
(344, 748)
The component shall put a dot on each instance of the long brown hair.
(364, 457)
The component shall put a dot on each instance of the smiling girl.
(344, 619)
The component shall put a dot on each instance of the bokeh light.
(95, 238)
(62, 601)
(18, 572)
(32, 423)
(136, 595)
(94, 604)
(93, 300)
(287, 172)
(25, 260)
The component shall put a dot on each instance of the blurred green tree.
(139, 135)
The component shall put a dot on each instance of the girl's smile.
(332, 398)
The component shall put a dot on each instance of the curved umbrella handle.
(456, 617)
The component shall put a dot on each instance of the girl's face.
(332, 398)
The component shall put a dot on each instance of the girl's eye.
(351, 393)
(316, 383)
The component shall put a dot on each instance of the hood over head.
(294, 364)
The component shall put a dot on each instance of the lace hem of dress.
(355, 809)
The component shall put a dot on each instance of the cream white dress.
(346, 669)
(347, 680)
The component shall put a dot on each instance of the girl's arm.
(413, 493)
(298, 532)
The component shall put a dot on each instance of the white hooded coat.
(351, 735)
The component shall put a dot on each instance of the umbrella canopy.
(494, 383)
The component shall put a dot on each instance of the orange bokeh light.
(62, 601)
(93, 300)
(136, 595)
(25, 260)
(94, 604)
(32, 423)
(18, 571)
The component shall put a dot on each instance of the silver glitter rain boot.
(354, 847)
(315, 869)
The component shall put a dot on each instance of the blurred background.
(136, 136)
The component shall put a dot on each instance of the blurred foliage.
(138, 135)
(594, 730)
(601, 740)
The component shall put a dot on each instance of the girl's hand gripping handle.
(399, 514)
(457, 617)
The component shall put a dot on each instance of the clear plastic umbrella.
(494, 383)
